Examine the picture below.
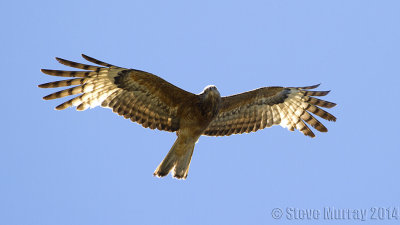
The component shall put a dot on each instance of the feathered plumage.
(153, 102)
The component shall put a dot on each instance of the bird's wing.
(140, 96)
(286, 106)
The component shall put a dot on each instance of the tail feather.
(177, 160)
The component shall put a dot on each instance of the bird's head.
(211, 100)
(210, 92)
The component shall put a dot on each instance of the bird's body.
(196, 115)
(153, 102)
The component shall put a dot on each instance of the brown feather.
(316, 93)
(93, 60)
(309, 87)
(63, 83)
(61, 73)
(64, 93)
(78, 65)
(319, 102)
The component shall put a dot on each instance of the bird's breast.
(198, 114)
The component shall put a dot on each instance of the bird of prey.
(155, 103)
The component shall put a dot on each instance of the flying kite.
(155, 103)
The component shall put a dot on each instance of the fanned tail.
(178, 159)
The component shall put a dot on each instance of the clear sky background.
(94, 167)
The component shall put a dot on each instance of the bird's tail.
(177, 159)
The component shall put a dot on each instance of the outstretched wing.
(140, 96)
(289, 107)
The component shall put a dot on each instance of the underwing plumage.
(155, 103)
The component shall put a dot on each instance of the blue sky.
(94, 167)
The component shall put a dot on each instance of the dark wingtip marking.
(60, 60)
(66, 62)
(96, 61)
(60, 107)
(310, 87)
(309, 134)
(81, 107)
(323, 93)
(42, 85)
(88, 58)
(48, 97)
(321, 128)
(46, 85)
(47, 71)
